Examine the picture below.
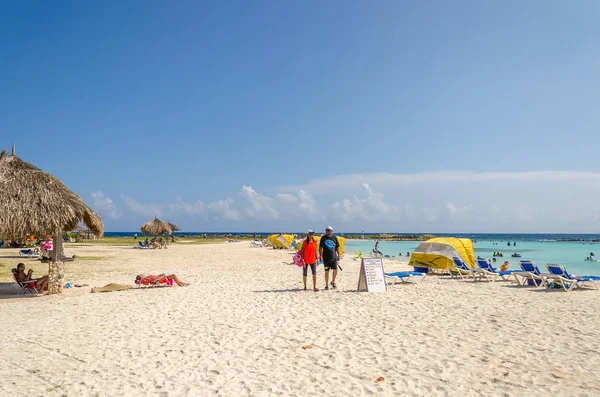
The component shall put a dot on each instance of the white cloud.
(378, 180)
(222, 210)
(104, 205)
(287, 198)
(145, 210)
(371, 208)
(454, 211)
(259, 206)
(300, 206)
(192, 209)
(429, 215)
(544, 201)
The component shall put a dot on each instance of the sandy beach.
(239, 330)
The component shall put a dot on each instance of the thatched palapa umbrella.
(174, 228)
(35, 202)
(155, 226)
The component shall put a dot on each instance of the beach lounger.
(406, 277)
(257, 244)
(462, 270)
(530, 274)
(141, 245)
(28, 252)
(487, 266)
(26, 286)
(559, 276)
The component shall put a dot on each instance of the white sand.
(238, 330)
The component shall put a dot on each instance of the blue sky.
(465, 116)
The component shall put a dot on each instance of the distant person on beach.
(309, 258)
(329, 254)
(135, 236)
(41, 283)
(47, 247)
(376, 249)
(153, 278)
(408, 254)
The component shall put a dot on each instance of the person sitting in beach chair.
(146, 243)
(26, 281)
(154, 280)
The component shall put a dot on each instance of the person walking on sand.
(329, 254)
(309, 258)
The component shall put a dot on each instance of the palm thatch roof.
(173, 227)
(35, 202)
(155, 226)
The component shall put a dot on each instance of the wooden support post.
(56, 270)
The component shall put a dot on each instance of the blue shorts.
(313, 269)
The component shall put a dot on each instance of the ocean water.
(571, 254)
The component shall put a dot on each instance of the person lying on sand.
(153, 278)
(41, 283)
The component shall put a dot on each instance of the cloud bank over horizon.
(460, 202)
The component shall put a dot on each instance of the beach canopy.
(281, 240)
(35, 202)
(155, 227)
(437, 253)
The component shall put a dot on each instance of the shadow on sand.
(12, 291)
(280, 290)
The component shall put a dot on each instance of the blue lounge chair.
(530, 274)
(141, 245)
(406, 277)
(463, 270)
(487, 266)
(559, 275)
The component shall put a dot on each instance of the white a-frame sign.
(371, 278)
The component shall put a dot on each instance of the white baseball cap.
(329, 228)
(310, 231)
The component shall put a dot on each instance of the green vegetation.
(129, 241)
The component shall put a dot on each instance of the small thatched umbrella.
(155, 226)
(174, 228)
(35, 202)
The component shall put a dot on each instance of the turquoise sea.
(571, 254)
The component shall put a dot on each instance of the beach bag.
(298, 258)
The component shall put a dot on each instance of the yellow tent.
(341, 242)
(281, 240)
(437, 253)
